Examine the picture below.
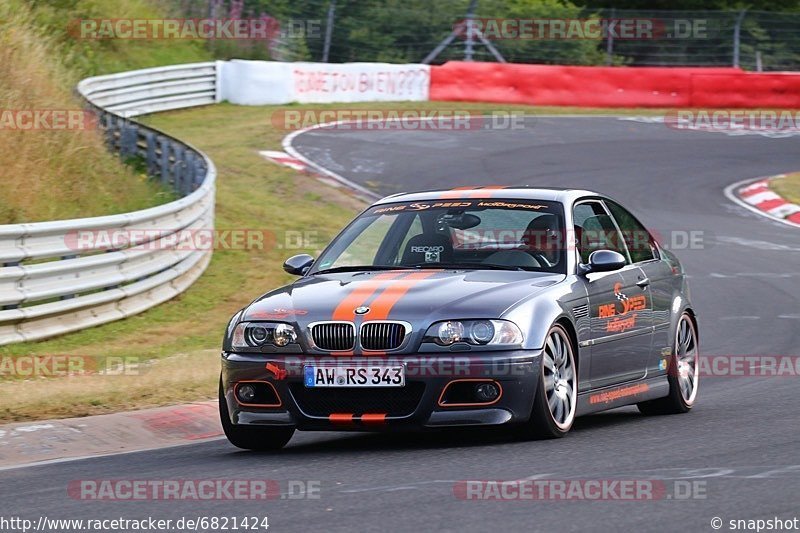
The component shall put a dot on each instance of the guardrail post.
(190, 171)
(150, 159)
(128, 137)
(179, 170)
(109, 129)
(199, 173)
(165, 148)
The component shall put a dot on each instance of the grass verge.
(180, 338)
(788, 187)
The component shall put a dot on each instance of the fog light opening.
(256, 394)
(486, 392)
(246, 393)
(470, 393)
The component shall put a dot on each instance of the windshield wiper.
(360, 268)
(470, 266)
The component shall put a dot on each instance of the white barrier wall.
(268, 82)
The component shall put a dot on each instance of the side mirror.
(298, 265)
(603, 261)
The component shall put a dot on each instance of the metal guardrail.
(50, 285)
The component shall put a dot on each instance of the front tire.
(556, 397)
(683, 373)
(249, 437)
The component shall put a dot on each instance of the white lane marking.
(686, 125)
(417, 484)
(730, 194)
(743, 317)
(664, 474)
(31, 428)
(109, 454)
(758, 245)
(768, 275)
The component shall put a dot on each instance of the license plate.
(354, 376)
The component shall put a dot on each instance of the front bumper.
(415, 406)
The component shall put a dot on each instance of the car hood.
(417, 296)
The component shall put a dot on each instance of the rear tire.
(557, 394)
(252, 437)
(682, 373)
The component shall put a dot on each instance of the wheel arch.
(565, 322)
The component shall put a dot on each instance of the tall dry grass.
(54, 174)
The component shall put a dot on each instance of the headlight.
(449, 332)
(475, 332)
(284, 334)
(255, 334)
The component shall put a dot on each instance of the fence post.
(326, 48)
(610, 37)
(469, 45)
(737, 38)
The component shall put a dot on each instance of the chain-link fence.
(541, 31)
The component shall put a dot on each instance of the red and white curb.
(282, 158)
(50, 441)
(757, 196)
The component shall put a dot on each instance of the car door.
(619, 302)
(658, 278)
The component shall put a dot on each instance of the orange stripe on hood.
(346, 308)
(457, 192)
(486, 191)
(383, 304)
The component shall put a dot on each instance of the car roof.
(521, 192)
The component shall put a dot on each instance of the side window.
(639, 241)
(595, 230)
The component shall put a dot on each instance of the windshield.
(469, 234)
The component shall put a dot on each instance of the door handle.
(643, 283)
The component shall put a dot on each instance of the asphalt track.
(741, 441)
